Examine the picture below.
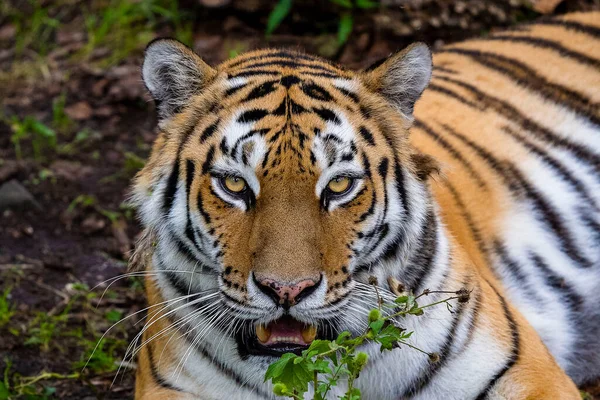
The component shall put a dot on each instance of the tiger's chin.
(284, 335)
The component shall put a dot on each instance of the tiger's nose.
(287, 294)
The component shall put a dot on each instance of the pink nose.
(287, 294)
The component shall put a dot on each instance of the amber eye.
(340, 184)
(234, 184)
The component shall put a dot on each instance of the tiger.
(284, 190)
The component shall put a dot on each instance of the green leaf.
(366, 4)
(4, 393)
(376, 325)
(343, 3)
(277, 368)
(320, 346)
(342, 337)
(295, 376)
(401, 300)
(345, 27)
(114, 316)
(388, 336)
(277, 15)
(416, 311)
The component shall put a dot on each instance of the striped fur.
(513, 122)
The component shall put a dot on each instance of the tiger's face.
(280, 182)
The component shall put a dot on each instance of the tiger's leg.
(529, 370)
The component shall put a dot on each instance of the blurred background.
(76, 124)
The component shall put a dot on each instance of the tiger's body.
(514, 123)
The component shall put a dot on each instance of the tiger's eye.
(234, 184)
(339, 185)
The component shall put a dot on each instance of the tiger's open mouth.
(285, 335)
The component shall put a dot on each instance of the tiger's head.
(278, 184)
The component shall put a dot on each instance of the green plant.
(125, 26)
(327, 362)
(42, 137)
(99, 355)
(34, 28)
(346, 19)
(15, 386)
(46, 327)
(277, 15)
(60, 119)
(7, 309)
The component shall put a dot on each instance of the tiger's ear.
(402, 77)
(173, 73)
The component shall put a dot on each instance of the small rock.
(14, 195)
(79, 111)
(7, 32)
(92, 224)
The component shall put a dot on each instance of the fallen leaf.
(79, 111)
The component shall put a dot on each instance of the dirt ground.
(75, 126)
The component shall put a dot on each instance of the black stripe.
(260, 91)
(422, 381)
(400, 186)
(383, 169)
(349, 94)
(569, 295)
(370, 210)
(171, 189)
(572, 25)
(201, 210)
(511, 113)
(276, 73)
(518, 185)
(252, 115)
(189, 230)
(421, 261)
(515, 269)
(513, 357)
(209, 131)
(454, 95)
(554, 164)
(289, 64)
(316, 92)
(175, 281)
(234, 89)
(529, 78)
(367, 136)
(444, 69)
(548, 45)
(207, 164)
(327, 115)
(254, 73)
(156, 376)
(282, 54)
(442, 142)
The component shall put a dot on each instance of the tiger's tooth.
(263, 333)
(309, 333)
